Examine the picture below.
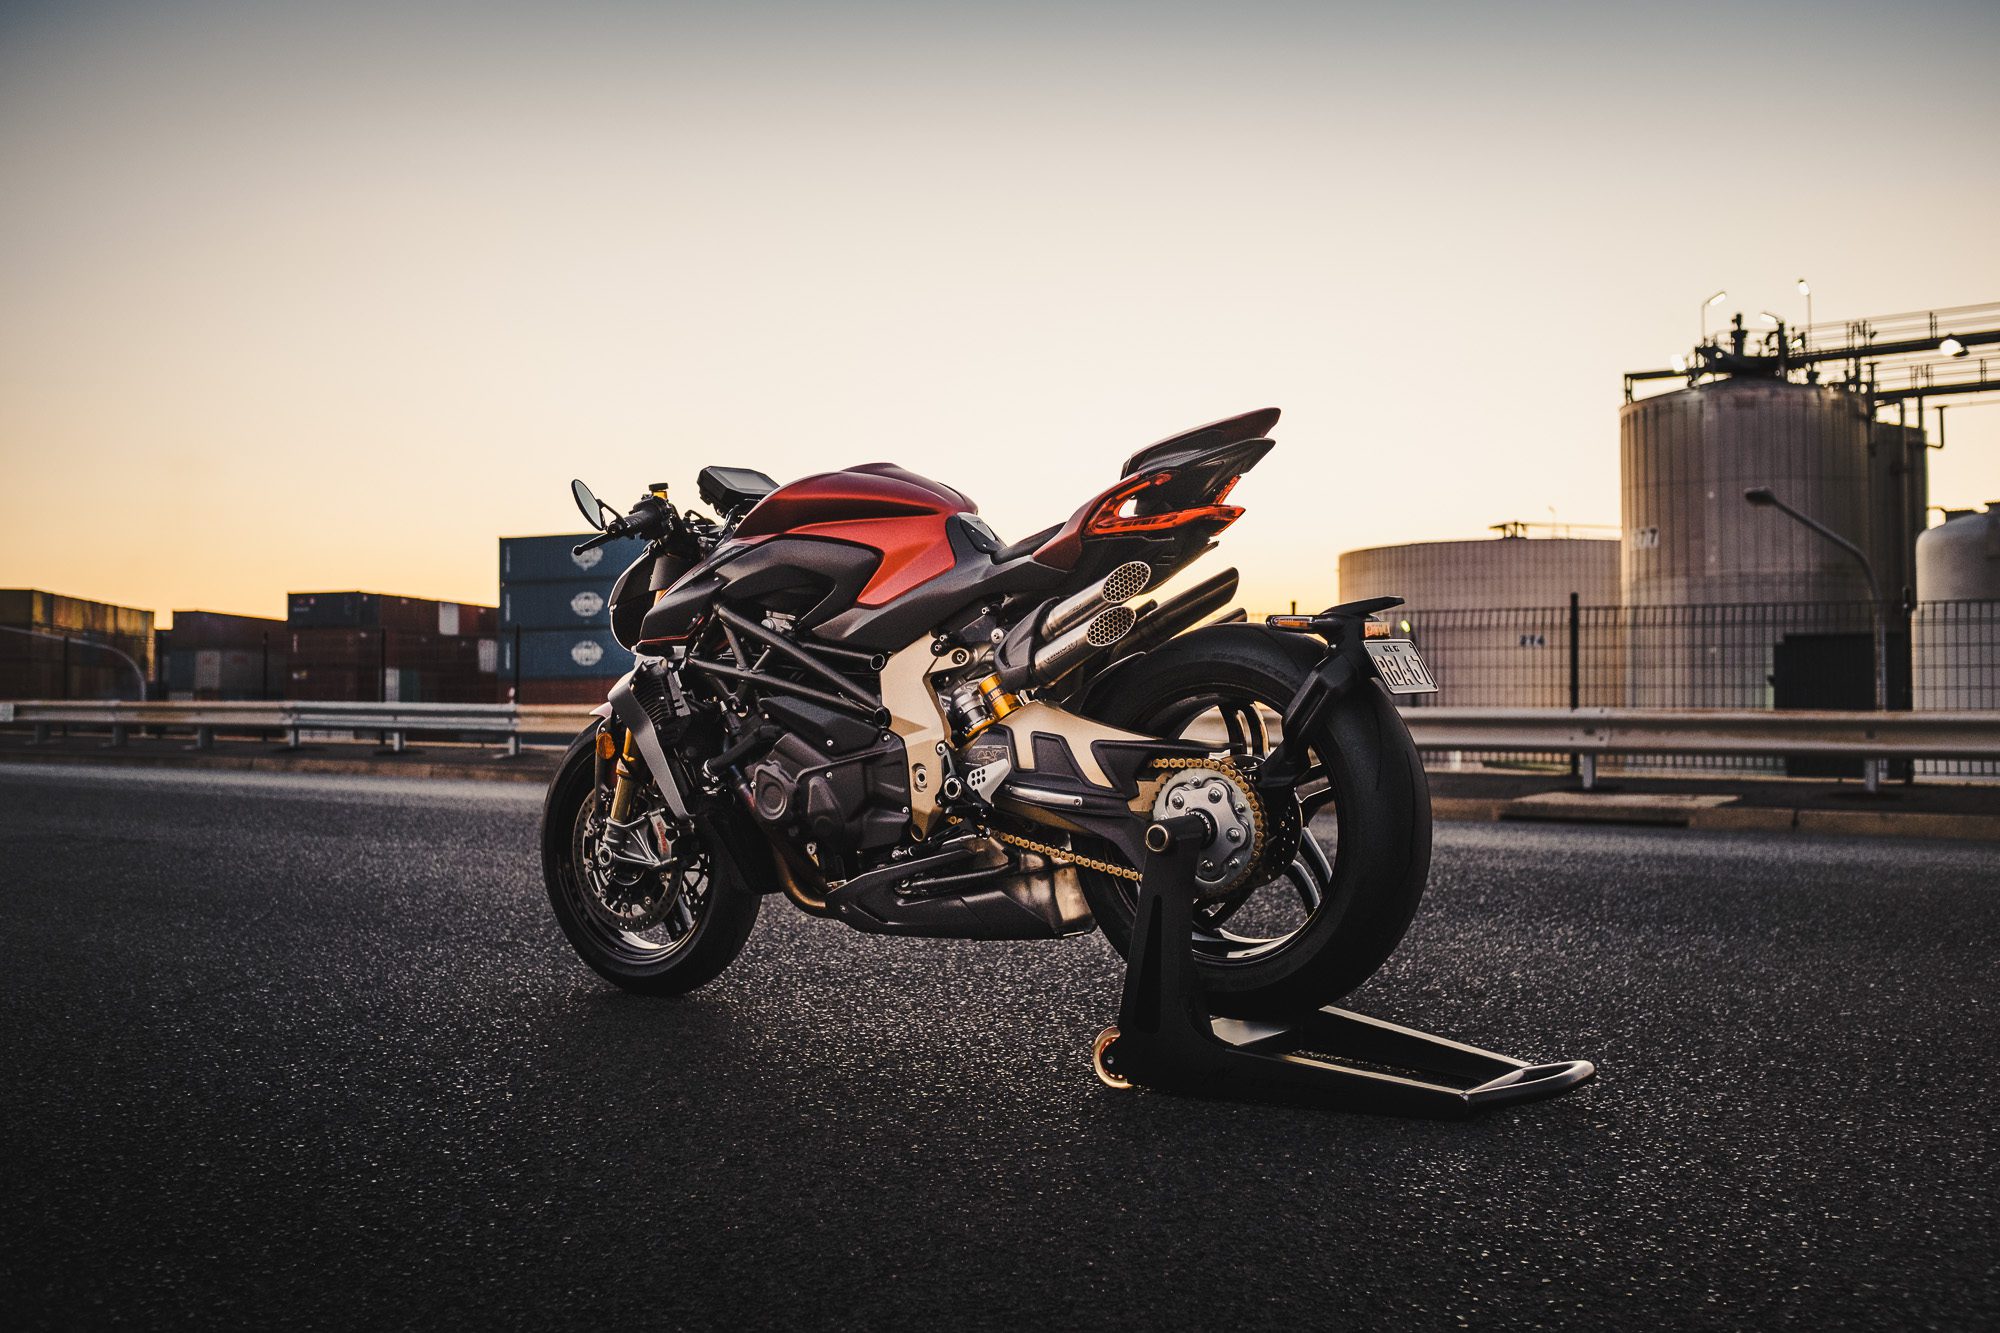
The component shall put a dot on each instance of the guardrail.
(1585, 732)
(508, 723)
(1588, 733)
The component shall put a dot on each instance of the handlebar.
(651, 518)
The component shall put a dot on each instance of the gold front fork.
(621, 794)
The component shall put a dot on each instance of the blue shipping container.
(556, 654)
(548, 559)
(574, 604)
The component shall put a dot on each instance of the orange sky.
(312, 297)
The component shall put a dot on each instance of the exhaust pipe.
(1172, 617)
(1120, 585)
(1063, 653)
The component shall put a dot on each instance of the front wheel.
(640, 903)
(1317, 927)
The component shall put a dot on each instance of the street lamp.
(1762, 497)
(1716, 299)
(1805, 290)
(1951, 346)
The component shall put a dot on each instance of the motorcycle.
(850, 690)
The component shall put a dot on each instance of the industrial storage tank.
(1492, 617)
(1957, 622)
(1729, 605)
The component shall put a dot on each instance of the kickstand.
(1167, 1040)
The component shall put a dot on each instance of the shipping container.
(30, 608)
(570, 605)
(224, 630)
(548, 654)
(332, 663)
(72, 648)
(548, 559)
(584, 691)
(227, 673)
(373, 610)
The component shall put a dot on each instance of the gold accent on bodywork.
(918, 721)
(1079, 733)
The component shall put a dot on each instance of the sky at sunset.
(323, 296)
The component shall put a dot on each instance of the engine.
(833, 781)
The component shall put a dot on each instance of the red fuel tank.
(877, 505)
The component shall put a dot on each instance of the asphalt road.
(298, 1052)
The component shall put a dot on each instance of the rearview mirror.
(593, 510)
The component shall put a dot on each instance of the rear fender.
(1344, 665)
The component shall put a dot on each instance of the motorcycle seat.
(1027, 545)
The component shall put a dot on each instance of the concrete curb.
(1728, 818)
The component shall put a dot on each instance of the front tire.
(698, 932)
(1366, 773)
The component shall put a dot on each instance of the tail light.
(1110, 515)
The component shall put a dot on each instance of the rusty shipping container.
(586, 692)
(363, 665)
(373, 610)
(36, 666)
(220, 655)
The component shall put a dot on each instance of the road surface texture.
(286, 1051)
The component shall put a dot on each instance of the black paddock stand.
(1167, 1040)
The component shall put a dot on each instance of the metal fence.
(297, 723)
(1749, 660)
(1940, 655)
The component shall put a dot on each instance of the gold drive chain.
(1126, 872)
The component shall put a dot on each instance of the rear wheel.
(641, 904)
(1308, 931)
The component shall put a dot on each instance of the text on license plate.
(1403, 672)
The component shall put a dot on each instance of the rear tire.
(722, 916)
(1379, 797)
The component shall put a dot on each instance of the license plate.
(1403, 672)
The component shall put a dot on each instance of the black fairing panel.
(808, 577)
(630, 597)
(674, 615)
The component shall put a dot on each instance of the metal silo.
(1957, 623)
(1898, 489)
(1711, 585)
(1492, 616)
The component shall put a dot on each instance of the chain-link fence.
(1818, 655)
